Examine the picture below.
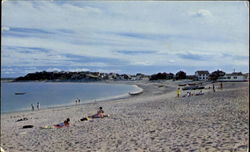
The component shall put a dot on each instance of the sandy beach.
(155, 120)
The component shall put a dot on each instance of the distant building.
(235, 76)
(247, 76)
(202, 75)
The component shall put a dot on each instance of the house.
(235, 76)
(246, 76)
(202, 75)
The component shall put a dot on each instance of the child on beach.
(200, 93)
(178, 92)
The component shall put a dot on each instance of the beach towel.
(198, 94)
(85, 119)
(47, 127)
(98, 116)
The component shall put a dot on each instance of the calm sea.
(56, 94)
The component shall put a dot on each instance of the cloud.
(137, 52)
(193, 56)
(171, 61)
(5, 28)
(79, 70)
(201, 13)
(236, 57)
(53, 69)
(109, 70)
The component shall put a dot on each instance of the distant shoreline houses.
(235, 76)
(226, 77)
(200, 75)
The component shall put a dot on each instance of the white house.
(202, 75)
(235, 76)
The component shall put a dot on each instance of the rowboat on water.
(20, 93)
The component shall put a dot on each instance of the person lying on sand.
(63, 124)
(188, 94)
(200, 93)
(60, 125)
(100, 114)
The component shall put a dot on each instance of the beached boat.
(181, 85)
(193, 88)
(20, 93)
(192, 84)
(135, 93)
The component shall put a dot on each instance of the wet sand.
(155, 120)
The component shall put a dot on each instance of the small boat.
(193, 88)
(192, 84)
(135, 93)
(182, 85)
(20, 93)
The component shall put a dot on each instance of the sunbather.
(188, 94)
(63, 124)
(200, 93)
(100, 114)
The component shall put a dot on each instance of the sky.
(124, 36)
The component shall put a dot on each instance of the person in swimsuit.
(63, 124)
(99, 114)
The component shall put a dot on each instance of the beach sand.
(155, 120)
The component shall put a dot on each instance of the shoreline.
(103, 99)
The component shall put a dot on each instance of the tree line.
(39, 76)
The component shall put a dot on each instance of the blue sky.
(124, 36)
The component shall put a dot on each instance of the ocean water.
(56, 94)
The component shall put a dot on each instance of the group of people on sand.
(100, 114)
(37, 106)
(77, 100)
(188, 94)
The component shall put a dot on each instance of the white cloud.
(108, 71)
(53, 69)
(5, 28)
(201, 13)
(171, 61)
(79, 70)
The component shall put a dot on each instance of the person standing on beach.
(221, 85)
(32, 107)
(38, 105)
(213, 88)
(178, 92)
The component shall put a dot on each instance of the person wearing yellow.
(178, 92)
